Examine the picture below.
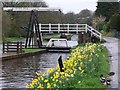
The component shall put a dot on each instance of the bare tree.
(97, 20)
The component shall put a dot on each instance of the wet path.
(18, 72)
(113, 46)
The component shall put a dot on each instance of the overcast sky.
(72, 5)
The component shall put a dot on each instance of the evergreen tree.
(114, 22)
(107, 9)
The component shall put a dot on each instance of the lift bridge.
(35, 29)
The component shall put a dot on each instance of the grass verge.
(0, 41)
(12, 39)
(31, 50)
(93, 81)
(55, 36)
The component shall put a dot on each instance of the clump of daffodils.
(82, 60)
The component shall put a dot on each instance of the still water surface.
(18, 72)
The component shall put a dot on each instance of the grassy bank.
(55, 36)
(111, 34)
(92, 81)
(31, 50)
(9, 39)
(81, 70)
(0, 41)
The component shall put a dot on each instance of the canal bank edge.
(21, 55)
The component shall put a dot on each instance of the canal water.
(17, 73)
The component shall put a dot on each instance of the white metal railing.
(57, 43)
(69, 28)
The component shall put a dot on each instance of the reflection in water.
(18, 72)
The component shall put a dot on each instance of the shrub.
(100, 26)
(13, 33)
(106, 27)
(114, 22)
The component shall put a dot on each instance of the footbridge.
(62, 44)
(68, 28)
(35, 30)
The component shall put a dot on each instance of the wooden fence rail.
(13, 47)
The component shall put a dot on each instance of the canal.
(18, 72)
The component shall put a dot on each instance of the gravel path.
(113, 45)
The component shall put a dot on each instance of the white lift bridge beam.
(28, 9)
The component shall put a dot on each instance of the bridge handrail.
(62, 27)
(69, 28)
(93, 29)
(65, 24)
(95, 32)
(48, 44)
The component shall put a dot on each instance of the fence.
(13, 47)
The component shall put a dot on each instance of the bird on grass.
(106, 80)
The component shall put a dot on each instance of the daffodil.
(79, 81)
(82, 71)
(27, 86)
(71, 75)
(54, 85)
(45, 80)
(79, 68)
(37, 74)
(48, 85)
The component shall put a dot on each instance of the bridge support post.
(80, 37)
(33, 30)
(84, 37)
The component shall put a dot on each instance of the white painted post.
(40, 27)
(58, 27)
(40, 32)
(34, 28)
(66, 43)
(77, 28)
(68, 28)
(100, 37)
(49, 27)
(91, 31)
(86, 28)
(41, 37)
